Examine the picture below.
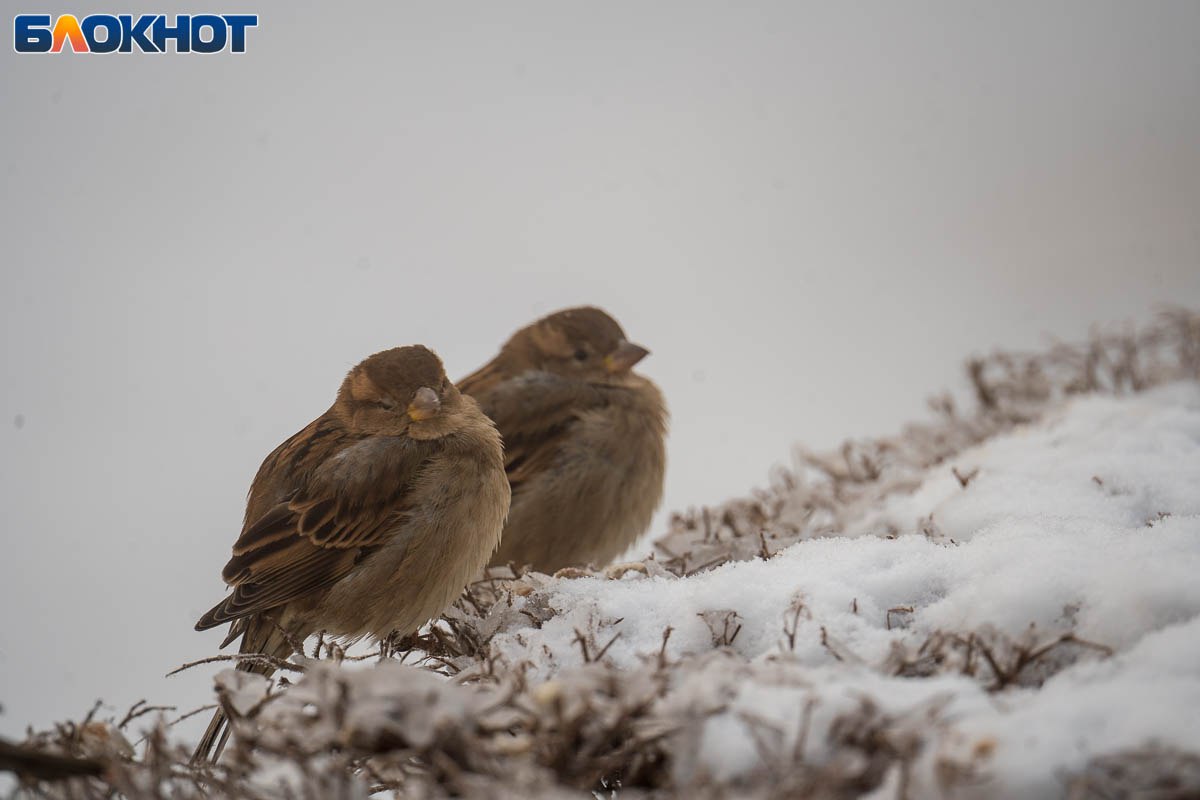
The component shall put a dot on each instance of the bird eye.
(385, 404)
(581, 354)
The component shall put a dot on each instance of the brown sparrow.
(370, 520)
(584, 439)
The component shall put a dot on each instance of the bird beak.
(424, 405)
(624, 357)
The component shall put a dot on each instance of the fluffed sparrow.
(584, 439)
(370, 520)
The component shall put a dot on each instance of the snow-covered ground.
(1087, 523)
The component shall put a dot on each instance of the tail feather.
(259, 635)
(213, 741)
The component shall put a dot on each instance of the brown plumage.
(370, 520)
(584, 439)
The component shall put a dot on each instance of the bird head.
(398, 391)
(581, 343)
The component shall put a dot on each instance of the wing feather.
(535, 413)
(337, 500)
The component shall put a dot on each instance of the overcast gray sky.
(810, 213)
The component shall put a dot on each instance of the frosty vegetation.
(1000, 602)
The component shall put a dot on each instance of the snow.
(1086, 523)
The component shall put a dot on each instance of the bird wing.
(483, 381)
(535, 413)
(345, 498)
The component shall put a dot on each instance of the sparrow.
(584, 440)
(372, 519)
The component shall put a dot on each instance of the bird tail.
(260, 635)
(213, 741)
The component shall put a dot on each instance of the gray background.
(811, 214)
